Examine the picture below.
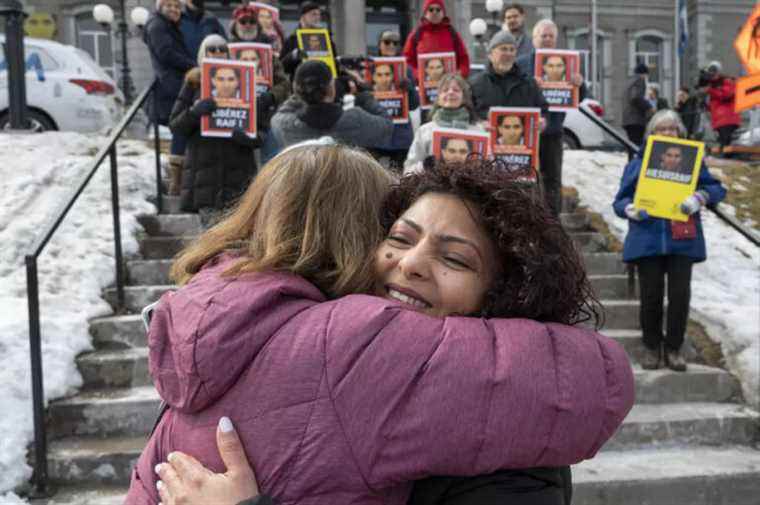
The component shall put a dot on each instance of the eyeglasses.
(216, 49)
(434, 10)
(246, 21)
(391, 42)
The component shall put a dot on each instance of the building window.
(649, 52)
(95, 41)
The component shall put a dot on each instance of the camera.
(344, 79)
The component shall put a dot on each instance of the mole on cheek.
(389, 255)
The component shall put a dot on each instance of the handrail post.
(116, 228)
(40, 475)
(157, 148)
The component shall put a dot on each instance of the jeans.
(269, 148)
(652, 273)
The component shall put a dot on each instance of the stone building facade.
(627, 32)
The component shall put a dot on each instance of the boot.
(175, 174)
(674, 360)
(651, 359)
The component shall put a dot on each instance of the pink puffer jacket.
(347, 401)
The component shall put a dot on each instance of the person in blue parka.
(663, 248)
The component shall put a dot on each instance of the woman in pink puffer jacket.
(348, 401)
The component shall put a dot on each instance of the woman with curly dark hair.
(348, 400)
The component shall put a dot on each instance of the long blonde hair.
(313, 210)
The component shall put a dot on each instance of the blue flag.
(683, 27)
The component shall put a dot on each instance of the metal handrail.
(632, 149)
(40, 475)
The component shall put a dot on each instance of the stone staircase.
(688, 440)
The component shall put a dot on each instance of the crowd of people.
(338, 316)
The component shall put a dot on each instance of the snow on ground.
(725, 288)
(37, 173)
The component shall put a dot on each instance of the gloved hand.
(693, 203)
(404, 84)
(203, 107)
(241, 137)
(635, 214)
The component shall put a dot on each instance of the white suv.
(65, 89)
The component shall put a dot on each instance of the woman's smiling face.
(436, 259)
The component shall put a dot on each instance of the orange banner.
(747, 92)
(747, 43)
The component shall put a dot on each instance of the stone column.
(349, 26)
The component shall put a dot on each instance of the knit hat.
(501, 37)
(308, 6)
(244, 11)
(312, 75)
(641, 68)
(439, 3)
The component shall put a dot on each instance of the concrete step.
(690, 424)
(88, 460)
(122, 368)
(137, 297)
(612, 287)
(118, 332)
(148, 272)
(170, 205)
(699, 383)
(170, 224)
(620, 315)
(104, 413)
(575, 221)
(669, 476)
(589, 241)
(163, 247)
(604, 263)
(85, 495)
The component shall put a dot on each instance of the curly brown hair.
(542, 275)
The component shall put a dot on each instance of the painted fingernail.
(225, 425)
(157, 468)
(159, 485)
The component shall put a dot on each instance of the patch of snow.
(738, 187)
(37, 172)
(725, 289)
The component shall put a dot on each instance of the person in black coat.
(171, 60)
(217, 170)
(311, 17)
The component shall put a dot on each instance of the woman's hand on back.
(184, 481)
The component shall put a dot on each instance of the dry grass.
(742, 180)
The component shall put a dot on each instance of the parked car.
(580, 131)
(65, 89)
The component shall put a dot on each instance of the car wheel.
(38, 122)
(569, 141)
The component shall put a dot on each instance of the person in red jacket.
(722, 90)
(435, 34)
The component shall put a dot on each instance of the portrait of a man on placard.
(383, 78)
(510, 130)
(554, 68)
(455, 149)
(225, 83)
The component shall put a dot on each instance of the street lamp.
(494, 7)
(104, 15)
(480, 29)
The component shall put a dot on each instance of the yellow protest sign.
(317, 45)
(668, 176)
(747, 43)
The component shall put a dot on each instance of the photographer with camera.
(721, 90)
(316, 110)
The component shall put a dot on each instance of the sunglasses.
(434, 10)
(216, 49)
(246, 21)
(391, 42)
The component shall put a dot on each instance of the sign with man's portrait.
(453, 145)
(431, 67)
(317, 46)
(273, 11)
(514, 138)
(385, 76)
(669, 173)
(261, 55)
(554, 70)
(232, 84)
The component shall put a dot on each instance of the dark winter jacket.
(554, 120)
(196, 25)
(652, 236)
(722, 113)
(636, 107)
(513, 89)
(364, 125)
(170, 59)
(403, 134)
(436, 38)
(217, 170)
(689, 112)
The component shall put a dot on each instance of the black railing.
(40, 475)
